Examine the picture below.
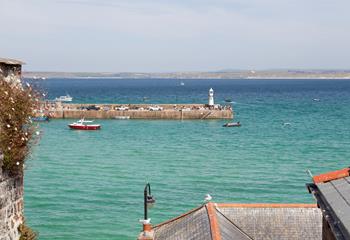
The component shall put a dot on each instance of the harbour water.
(89, 185)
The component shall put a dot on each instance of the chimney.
(147, 233)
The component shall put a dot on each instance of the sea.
(89, 184)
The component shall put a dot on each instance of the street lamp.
(149, 200)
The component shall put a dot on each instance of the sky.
(175, 35)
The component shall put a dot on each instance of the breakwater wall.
(11, 206)
(139, 111)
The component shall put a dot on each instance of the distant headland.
(224, 74)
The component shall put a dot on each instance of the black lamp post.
(149, 200)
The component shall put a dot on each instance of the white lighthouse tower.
(211, 97)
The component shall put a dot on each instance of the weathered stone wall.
(11, 205)
(11, 188)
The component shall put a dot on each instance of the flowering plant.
(17, 106)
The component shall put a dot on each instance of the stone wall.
(11, 205)
(107, 111)
(182, 111)
(166, 114)
(11, 188)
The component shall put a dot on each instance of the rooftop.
(332, 193)
(10, 61)
(214, 221)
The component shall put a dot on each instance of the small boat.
(233, 124)
(81, 125)
(41, 119)
(182, 83)
(66, 98)
(229, 100)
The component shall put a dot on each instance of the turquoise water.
(89, 185)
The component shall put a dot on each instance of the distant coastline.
(267, 74)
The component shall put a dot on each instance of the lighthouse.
(211, 97)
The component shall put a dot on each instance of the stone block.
(11, 207)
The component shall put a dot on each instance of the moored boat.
(233, 124)
(41, 119)
(66, 98)
(81, 125)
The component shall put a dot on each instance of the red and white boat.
(81, 125)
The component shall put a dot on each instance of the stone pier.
(138, 111)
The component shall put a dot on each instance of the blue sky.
(170, 35)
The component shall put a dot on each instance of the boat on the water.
(229, 100)
(233, 124)
(66, 98)
(41, 119)
(81, 125)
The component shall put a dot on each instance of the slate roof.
(332, 192)
(10, 61)
(277, 222)
(191, 226)
(229, 230)
(244, 222)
